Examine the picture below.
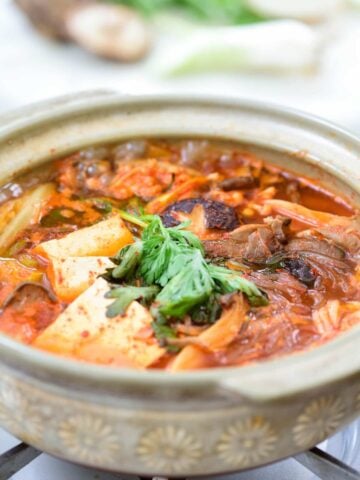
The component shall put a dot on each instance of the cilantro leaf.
(127, 294)
(229, 281)
(191, 286)
(128, 260)
(172, 261)
(163, 332)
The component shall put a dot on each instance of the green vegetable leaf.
(129, 217)
(191, 286)
(156, 257)
(162, 330)
(214, 11)
(128, 260)
(173, 259)
(125, 295)
(229, 281)
(207, 313)
(221, 11)
(165, 251)
(60, 216)
(185, 237)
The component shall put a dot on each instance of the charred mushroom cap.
(217, 214)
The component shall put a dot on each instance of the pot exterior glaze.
(163, 439)
(195, 423)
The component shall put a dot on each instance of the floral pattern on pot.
(318, 420)
(11, 400)
(89, 438)
(247, 442)
(167, 442)
(169, 449)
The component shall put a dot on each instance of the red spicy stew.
(177, 255)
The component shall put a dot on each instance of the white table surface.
(33, 68)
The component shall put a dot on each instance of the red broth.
(295, 243)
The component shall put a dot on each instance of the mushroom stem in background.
(112, 31)
(49, 17)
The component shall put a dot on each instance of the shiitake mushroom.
(217, 214)
(29, 290)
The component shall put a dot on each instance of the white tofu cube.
(85, 332)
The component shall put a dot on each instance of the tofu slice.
(102, 239)
(71, 276)
(84, 331)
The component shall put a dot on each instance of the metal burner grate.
(325, 466)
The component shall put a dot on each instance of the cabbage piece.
(18, 214)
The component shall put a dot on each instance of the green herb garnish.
(125, 295)
(190, 286)
(229, 281)
(128, 259)
(132, 218)
(163, 332)
(170, 266)
(207, 313)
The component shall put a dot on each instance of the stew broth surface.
(175, 254)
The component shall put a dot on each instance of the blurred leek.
(274, 46)
(213, 11)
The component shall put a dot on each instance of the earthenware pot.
(196, 423)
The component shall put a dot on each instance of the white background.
(32, 68)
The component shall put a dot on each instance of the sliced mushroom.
(239, 183)
(300, 270)
(29, 291)
(217, 214)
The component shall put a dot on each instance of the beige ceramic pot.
(197, 423)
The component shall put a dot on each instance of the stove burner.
(325, 466)
(15, 459)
